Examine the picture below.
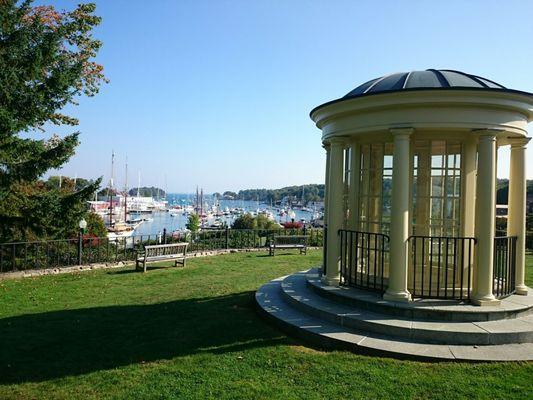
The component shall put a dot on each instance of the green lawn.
(193, 333)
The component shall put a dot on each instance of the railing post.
(80, 244)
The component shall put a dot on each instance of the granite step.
(514, 306)
(272, 305)
(296, 293)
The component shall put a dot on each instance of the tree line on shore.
(311, 192)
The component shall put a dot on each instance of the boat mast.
(138, 183)
(110, 189)
(197, 198)
(202, 201)
(126, 193)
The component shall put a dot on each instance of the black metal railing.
(504, 267)
(364, 259)
(441, 267)
(20, 256)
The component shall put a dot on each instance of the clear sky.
(218, 93)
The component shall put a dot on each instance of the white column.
(468, 208)
(353, 195)
(335, 210)
(326, 195)
(485, 219)
(399, 233)
(468, 192)
(516, 223)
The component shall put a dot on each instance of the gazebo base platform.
(431, 330)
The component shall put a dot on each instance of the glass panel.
(448, 209)
(375, 188)
(436, 185)
(436, 207)
(387, 161)
(457, 79)
(437, 161)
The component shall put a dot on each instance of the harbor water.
(157, 221)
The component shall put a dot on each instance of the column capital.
(337, 141)
(519, 142)
(487, 133)
(401, 132)
(325, 145)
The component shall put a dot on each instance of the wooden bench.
(283, 242)
(160, 252)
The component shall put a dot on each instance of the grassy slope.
(192, 333)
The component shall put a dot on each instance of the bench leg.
(144, 264)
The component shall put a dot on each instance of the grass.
(193, 333)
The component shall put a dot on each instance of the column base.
(330, 281)
(521, 290)
(487, 301)
(403, 296)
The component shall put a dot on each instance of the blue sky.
(218, 93)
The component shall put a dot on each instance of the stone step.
(514, 306)
(297, 294)
(271, 304)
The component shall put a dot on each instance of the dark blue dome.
(429, 79)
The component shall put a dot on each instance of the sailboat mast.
(126, 192)
(138, 183)
(110, 190)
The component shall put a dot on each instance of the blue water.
(164, 220)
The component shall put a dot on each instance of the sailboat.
(117, 229)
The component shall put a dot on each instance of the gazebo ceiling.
(429, 79)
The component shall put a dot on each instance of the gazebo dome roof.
(428, 79)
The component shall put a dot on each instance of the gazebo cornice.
(439, 109)
(417, 95)
(515, 101)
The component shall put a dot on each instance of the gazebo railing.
(364, 259)
(441, 267)
(504, 268)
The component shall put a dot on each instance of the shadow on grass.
(132, 270)
(55, 344)
(282, 253)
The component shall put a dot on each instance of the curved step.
(325, 334)
(514, 306)
(296, 292)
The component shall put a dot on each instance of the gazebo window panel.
(436, 187)
(375, 187)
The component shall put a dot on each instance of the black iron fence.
(19, 256)
(504, 268)
(364, 259)
(441, 267)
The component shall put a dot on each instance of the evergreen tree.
(193, 223)
(46, 62)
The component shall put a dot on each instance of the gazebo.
(411, 249)
(411, 187)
